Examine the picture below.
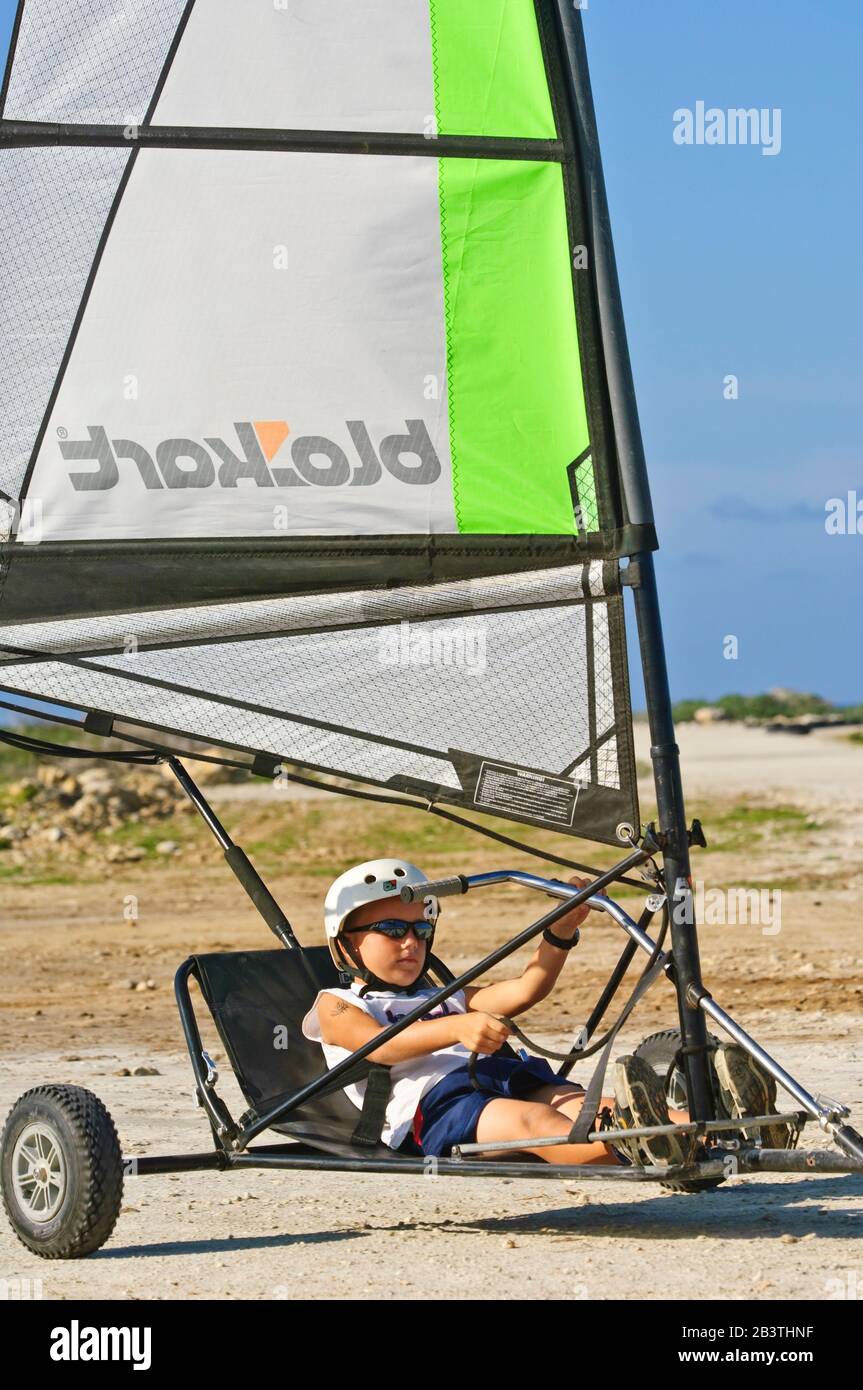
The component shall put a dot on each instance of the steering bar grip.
(444, 888)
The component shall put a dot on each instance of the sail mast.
(664, 750)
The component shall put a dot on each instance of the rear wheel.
(662, 1052)
(61, 1171)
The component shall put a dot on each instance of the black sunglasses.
(397, 930)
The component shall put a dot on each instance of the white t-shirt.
(411, 1079)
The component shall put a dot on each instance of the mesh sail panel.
(89, 60)
(502, 695)
(303, 403)
(58, 202)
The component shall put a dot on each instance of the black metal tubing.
(676, 869)
(221, 1121)
(238, 861)
(303, 1157)
(146, 1166)
(795, 1161)
(30, 133)
(636, 494)
(849, 1141)
(473, 1168)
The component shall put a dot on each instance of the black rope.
(58, 750)
(629, 950)
(663, 932)
(37, 714)
(468, 824)
(575, 1054)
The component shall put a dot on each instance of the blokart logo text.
(315, 460)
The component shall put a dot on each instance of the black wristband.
(564, 944)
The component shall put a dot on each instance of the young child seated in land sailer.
(384, 943)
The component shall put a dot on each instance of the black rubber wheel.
(61, 1171)
(660, 1052)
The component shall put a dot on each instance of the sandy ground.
(819, 767)
(252, 1235)
(69, 1011)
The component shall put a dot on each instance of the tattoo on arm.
(339, 1007)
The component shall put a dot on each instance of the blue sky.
(736, 262)
(733, 262)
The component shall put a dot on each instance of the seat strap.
(590, 1106)
(374, 1111)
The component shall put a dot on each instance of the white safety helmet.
(376, 880)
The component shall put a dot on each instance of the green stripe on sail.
(489, 75)
(517, 415)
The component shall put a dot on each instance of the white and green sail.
(300, 345)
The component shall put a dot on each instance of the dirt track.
(70, 1012)
(311, 1235)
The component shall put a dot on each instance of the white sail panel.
(258, 289)
(306, 65)
(417, 67)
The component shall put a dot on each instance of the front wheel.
(61, 1171)
(662, 1052)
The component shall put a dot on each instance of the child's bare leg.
(530, 1119)
(550, 1111)
(568, 1097)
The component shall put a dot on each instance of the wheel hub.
(39, 1172)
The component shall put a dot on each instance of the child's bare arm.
(537, 980)
(344, 1025)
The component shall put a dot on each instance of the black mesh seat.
(258, 1000)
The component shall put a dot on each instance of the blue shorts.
(448, 1113)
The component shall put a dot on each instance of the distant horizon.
(11, 716)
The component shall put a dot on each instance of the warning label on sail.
(513, 791)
